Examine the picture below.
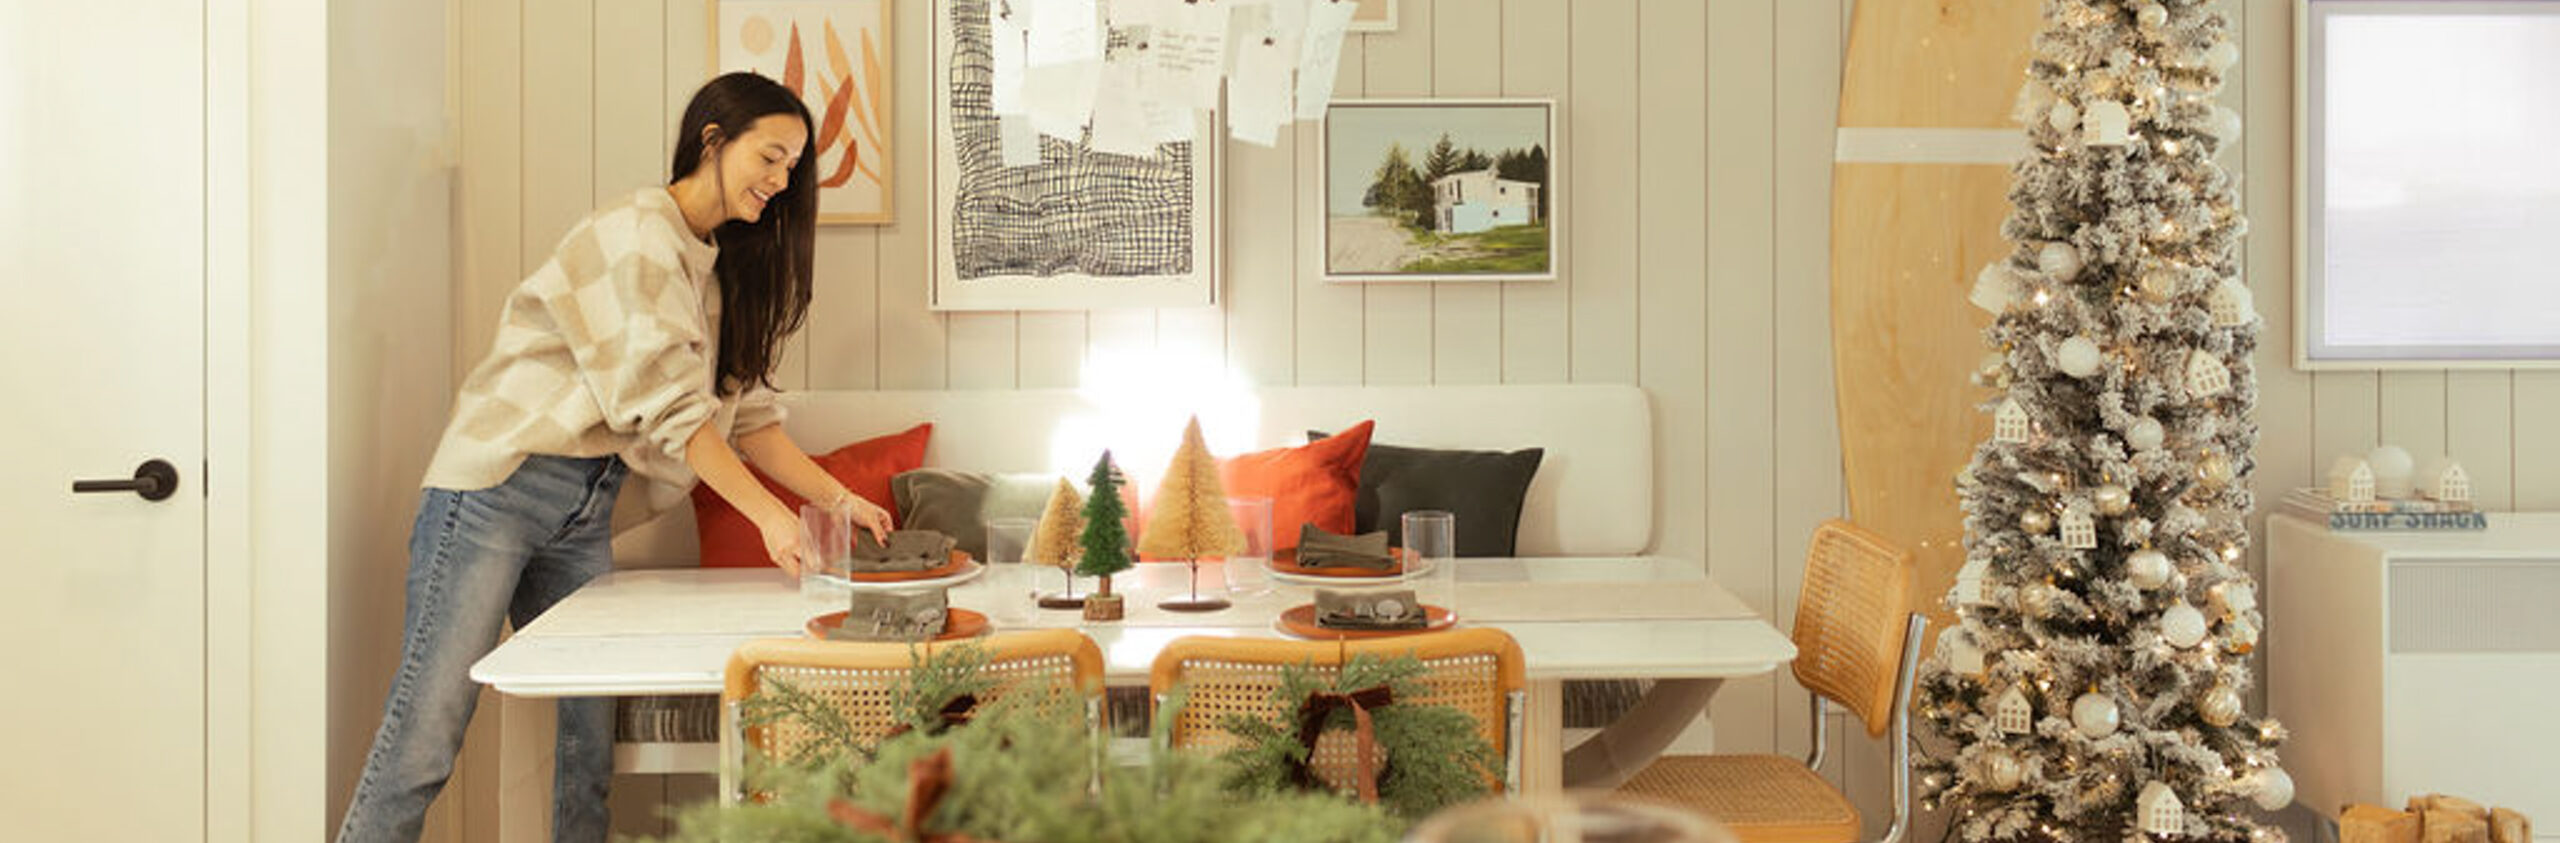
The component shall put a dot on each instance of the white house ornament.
(1969, 589)
(2232, 305)
(2078, 357)
(2351, 480)
(2009, 424)
(2182, 626)
(2079, 528)
(2206, 376)
(2059, 261)
(2106, 123)
(2160, 811)
(2444, 480)
(2095, 715)
(2012, 714)
(2148, 569)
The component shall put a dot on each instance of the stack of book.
(2384, 513)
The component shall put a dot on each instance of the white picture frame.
(955, 287)
(1373, 16)
(1353, 235)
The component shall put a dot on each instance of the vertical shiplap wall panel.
(1600, 191)
(492, 126)
(1052, 346)
(2479, 432)
(2345, 414)
(1397, 326)
(1466, 316)
(1331, 318)
(632, 125)
(1536, 53)
(1740, 349)
(559, 124)
(1195, 336)
(2412, 413)
(1808, 429)
(1260, 296)
(913, 338)
(982, 350)
(2537, 446)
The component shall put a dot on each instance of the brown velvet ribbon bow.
(1311, 717)
(953, 713)
(928, 778)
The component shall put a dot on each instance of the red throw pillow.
(1315, 484)
(729, 540)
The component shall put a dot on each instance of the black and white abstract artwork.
(1079, 229)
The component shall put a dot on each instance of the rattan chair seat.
(1760, 798)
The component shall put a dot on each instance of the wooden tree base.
(1061, 600)
(1105, 607)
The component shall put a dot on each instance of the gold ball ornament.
(2148, 569)
(2036, 522)
(2159, 285)
(2215, 469)
(2220, 706)
(2000, 770)
(2112, 499)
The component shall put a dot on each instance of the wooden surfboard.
(1919, 188)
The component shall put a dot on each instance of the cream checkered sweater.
(607, 349)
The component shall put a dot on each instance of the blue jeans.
(478, 559)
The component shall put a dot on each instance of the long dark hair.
(764, 266)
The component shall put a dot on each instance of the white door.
(102, 245)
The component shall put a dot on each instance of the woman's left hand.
(864, 514)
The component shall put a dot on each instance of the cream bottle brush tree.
(1190, 518)
(2093, 690)
(1056, 542)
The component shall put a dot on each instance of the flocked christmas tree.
(1105, 539)
(1190, 518)
(1057, 542)
(2094, 688)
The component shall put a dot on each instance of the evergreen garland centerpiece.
(1105, 540)
(1191, 520)
(1056, 542)
(2093, 688)
(1412, 757)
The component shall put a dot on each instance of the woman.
(647, 344)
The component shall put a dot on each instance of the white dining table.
(651, 632)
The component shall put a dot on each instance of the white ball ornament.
(2234, 599)
(2271, 788)
(2392, 468)
(2001, 770)
(2146, 435)
(2063, 117)
(2059, 260)
(2151, 16)
(2224, 124)
(2112, 499)
(2079, 357)
(2182, 626)
(2160, 285)
(2221, 57)
(2148, 569)
(2095, 716)
(1994, 288)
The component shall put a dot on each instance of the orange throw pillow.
(1314, 484)
(729, 540)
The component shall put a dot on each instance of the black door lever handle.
(154, 480)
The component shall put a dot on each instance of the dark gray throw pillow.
(1484, 489)
(959, 503)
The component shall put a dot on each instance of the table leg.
(1542, 739)
(1618, 752)
(526, 747)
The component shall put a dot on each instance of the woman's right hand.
(781, 533)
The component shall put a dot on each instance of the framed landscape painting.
(835, 55)
(1441, 190)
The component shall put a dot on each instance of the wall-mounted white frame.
(1555, 216)
(946, 291)
(1374, 15)
(2312, 349)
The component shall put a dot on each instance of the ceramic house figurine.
(2231, 304)
(2206, 376)
(2444, 480)
(2079, 529)
(1969, 589)
(2160, 811)
(2009, 423)
(2351, 480)
(2012, 714)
